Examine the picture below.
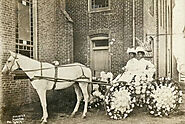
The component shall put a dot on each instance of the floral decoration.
(119, 101)
(163, 97)
(98, 97)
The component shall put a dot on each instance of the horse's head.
(11, 64)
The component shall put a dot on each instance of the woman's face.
(140, 55)
(132, 55)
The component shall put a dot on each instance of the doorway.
(99, 55)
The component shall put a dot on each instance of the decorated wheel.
(163, 97)
(119, 101)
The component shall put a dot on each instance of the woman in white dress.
(129, 69)
(144, 67)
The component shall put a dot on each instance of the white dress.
(139, 68)
(130, 70)
(145, 67)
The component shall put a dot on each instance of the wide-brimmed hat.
(131, 50)
(140, 49)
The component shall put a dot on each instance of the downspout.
(166, 33)
(171, 39)
(35, 33)
(157, 40)
(133, 23)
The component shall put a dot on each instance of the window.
(100, 43)
(24, 32)
(24, 28)
(96, 5)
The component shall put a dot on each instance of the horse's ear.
(12, 53)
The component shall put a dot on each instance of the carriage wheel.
(119, 101)
(164, 96)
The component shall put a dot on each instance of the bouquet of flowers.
(98, 97)
(119, 101)
(163, 97)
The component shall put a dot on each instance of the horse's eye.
(9, 61)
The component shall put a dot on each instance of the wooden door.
(100, 61)
(100, 56)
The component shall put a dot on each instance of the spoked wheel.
(164, 96)
(119, 101)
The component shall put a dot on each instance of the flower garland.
(163, 97)
(119, 101)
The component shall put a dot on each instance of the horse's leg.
(90, 88)
(79, 97)
(42, 96)
(83, 87)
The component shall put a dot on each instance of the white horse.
(70, 72)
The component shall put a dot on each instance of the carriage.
(161, 96)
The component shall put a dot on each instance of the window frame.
(99, 39)
(22, 45)
(91, 10)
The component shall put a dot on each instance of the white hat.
(140, 49)
(131, 50)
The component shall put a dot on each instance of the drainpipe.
(35, 22)
(171, 39)
(167, 40)
(157, 40)
(134, 42)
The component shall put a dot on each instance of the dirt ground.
(95, 116)
(99, 117)
(59, 112)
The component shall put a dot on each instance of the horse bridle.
(9, 69)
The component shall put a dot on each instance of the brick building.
(33, 29)
(96, 33)
(104, 29)
(103, 34)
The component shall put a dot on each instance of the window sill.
(99, 10)
(101, 48)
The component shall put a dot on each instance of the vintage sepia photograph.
(92, 61)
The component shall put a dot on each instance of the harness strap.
(41, 68)
(56, 77)
(83, 75)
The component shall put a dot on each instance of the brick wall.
(116, 22)
(78, 12)
(55, 33)
(13, 92)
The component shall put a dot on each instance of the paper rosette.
(163, 96)
(119, 101)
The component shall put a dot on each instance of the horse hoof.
(72, 115)
(41, 120)
(84, 116)
(44, 123)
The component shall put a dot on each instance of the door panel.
(100, 61)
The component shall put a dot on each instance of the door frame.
(91, 40)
